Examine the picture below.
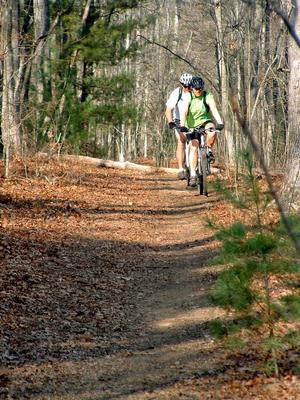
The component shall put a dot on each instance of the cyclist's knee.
(195, 144)
(210, 135)
(209, 124)
(180, 145)
(181, 138)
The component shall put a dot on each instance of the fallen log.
(99, 162)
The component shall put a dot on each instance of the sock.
(193, 173)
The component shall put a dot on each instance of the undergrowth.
(260, 282)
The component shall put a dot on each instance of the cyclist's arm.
(214, 110)
(169, 114)
(171, 104)
(184, 112)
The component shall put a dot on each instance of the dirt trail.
(170, 341)
(173, 341)
(152, 224)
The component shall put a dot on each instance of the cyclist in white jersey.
(174, 109)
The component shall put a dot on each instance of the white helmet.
(185, 79)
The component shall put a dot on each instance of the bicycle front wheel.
(202, 168)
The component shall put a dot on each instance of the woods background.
(92, 77)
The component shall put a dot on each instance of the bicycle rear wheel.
(202, 168)
(187, 176)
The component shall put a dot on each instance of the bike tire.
(187, 174)
(202, 168)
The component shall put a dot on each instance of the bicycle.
(203, 161)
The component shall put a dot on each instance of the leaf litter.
(104, 282)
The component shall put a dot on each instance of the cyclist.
(200, 110)
(174, 106)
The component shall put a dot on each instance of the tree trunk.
(291, 187)
(11, 120)
(223, 80)
(41, 26)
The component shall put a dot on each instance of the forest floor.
(105, 281)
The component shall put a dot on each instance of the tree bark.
(11, 120)
(223, 81)
(41, 26)
(291, 187)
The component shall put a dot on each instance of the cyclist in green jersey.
(200, 110)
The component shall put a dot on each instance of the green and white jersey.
(197, 111)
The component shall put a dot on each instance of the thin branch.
(283, 16)
(288, 24)
(180, 58)
(261, 87)
(169, 50)
(247, 132)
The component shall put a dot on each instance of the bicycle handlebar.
(201, 131)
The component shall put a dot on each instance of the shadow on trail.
(76, 319)
(102, 319)
(60, 207)
(64, 208)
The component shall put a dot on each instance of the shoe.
(193, 181)
(181, 175)
(210, 156)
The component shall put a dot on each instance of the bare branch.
(169, 50)
(290, 27)
(283, 16)
(261, 87)
(180, 57)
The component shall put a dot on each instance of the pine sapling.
(257, 257)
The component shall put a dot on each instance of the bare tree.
(41, 26)
(221, 62)
(291, 189)
(11, 120)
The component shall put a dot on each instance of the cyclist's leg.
(194, 153)
(194, 160)
(187, 162)
(180, 150)
(210, 140)
(210, 136)
(181, 139)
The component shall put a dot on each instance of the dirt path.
(170, 339)
(172, 342)
(105, 277)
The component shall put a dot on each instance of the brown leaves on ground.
(86, 257)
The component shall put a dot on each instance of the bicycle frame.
(203, 162)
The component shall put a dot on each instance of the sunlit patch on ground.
(186, 318)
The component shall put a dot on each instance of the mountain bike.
(203, 161)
